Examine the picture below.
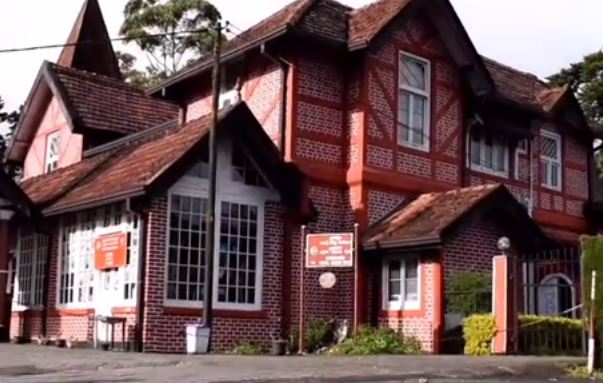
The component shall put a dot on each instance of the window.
(186, 248)
(52, 152)
(228, 98)
(488, 153)
(237, 278)
(32, 252)
(550, 160)
(401, 283)
(77, 276)
(413, 101)
(244, 171)
(522, 145)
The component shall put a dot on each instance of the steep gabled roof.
(88, 46)
(427, 219)
(366, 22)
(141, 165)
(104, 103)
(90, 102)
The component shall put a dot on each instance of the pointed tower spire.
(93, 52)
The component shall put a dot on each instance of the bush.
(373, 341)
(248, 348)
(478, 332)
(319, 334)
(538, 335)
(469, 293)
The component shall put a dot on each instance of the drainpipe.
(283, 104)
(141, 273)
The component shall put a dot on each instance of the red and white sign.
(110, 251)
(330, 250)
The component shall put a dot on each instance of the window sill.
(220, 313)
(408, 145)
(402, 314)
(490, 172)
(552, 188)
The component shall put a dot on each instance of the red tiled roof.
(366, 22)
(109, 104)
(46, 188)
(429, 214)
(132, 168)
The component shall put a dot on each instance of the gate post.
(504, 303)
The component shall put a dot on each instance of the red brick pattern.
(381, 203)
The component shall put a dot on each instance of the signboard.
(110, 251)
(330, 250)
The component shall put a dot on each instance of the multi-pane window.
(243, 170)
(52, 151)
(413, 101)
(77, 274)
(550, 160)
(401, 283)
(31, 267)
(238, 260)
(186, 248)
(488, 153)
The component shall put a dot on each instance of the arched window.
(556, 296)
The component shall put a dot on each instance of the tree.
(10, 119)
(133, 76)
(586, 79)
(170, 31)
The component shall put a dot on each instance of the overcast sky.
(539, 36)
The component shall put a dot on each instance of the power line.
(98, 42)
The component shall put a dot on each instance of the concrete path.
(20, 364)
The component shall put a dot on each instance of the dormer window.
(550, 160)
(52, 152)
(413, 101)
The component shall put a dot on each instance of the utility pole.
(211, 207)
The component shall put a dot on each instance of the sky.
(538, 36)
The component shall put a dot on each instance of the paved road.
(34, 364)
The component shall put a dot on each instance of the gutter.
(425, 241)
(283, 102)
(201, 67)
(95, 203)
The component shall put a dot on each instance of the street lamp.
(503, 244)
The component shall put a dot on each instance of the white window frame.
(418, 92)
(400, 305)
(519, 150)
(39, 257)
(127, 275)
(51, 162)
(227, 191)
(481, 168)
(228, 98)
(549, 160)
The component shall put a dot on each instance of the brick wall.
(442, 163)
(164, 327)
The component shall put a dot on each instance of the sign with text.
(110, 251)
(330, 250)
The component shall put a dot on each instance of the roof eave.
(418, 242)
(198, 69)
(97, 202)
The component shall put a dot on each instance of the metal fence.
(550, 303)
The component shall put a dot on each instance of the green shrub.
(478, 332)
(538, 335)
(319, 334)
(545, 335)
(248, 348)
(373, 341)
(469, 293)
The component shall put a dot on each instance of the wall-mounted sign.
(327, 280)
(330, 250)
(110, 251)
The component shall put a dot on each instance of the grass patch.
(375, 341)
(248, 348)
(580, 372)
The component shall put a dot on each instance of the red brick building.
(385, 116)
